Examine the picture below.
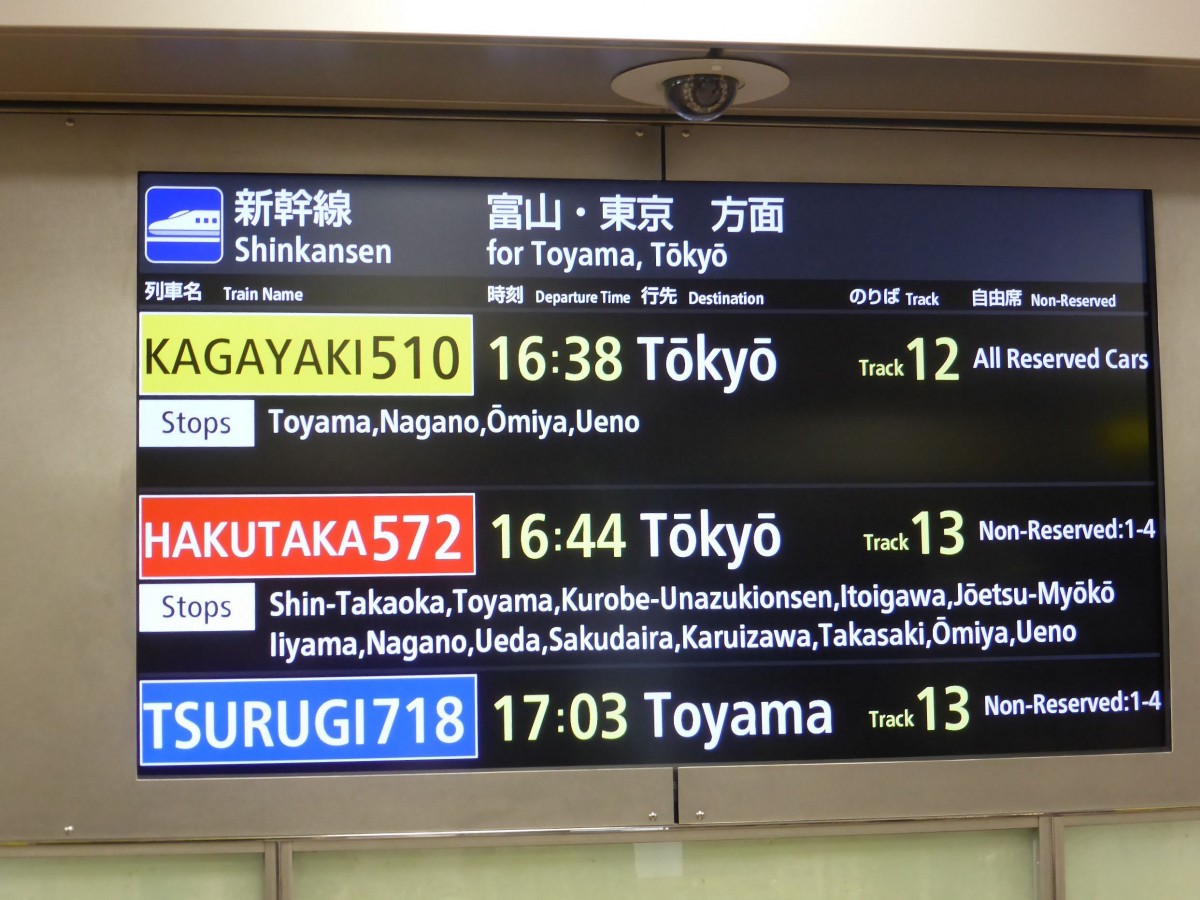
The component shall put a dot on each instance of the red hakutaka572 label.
(293, 535)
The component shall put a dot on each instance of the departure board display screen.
(439, 474)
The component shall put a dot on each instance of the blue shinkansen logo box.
(184, 225)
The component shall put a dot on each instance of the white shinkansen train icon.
(201, 225)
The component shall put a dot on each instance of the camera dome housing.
(700, 90)
(700, 98)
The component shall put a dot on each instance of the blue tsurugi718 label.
(302, 720)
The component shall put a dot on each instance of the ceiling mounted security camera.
(700, 90)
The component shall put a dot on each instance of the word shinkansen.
(297, 250)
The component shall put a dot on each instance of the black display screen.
(459, 473)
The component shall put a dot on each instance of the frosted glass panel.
(217, 877)
(1147, 859)
(985, 865)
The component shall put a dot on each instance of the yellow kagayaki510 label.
(305, 353)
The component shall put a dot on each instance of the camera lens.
(700, 98)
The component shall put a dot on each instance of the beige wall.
(1162, 29)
